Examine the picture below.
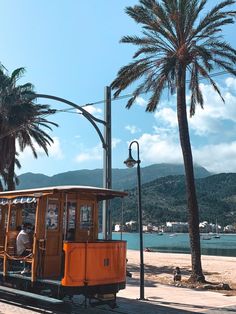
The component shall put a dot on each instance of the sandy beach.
(159, 268)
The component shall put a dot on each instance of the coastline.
(159, 268)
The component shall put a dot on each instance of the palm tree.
(21, 121)
(176, 42)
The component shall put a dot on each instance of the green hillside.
(163, 192)
(164, 200)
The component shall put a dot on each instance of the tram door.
(87, 221)
(53, 230)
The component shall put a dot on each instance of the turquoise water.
(179, 243)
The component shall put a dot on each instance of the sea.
(225, 245)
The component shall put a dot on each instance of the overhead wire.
(72, 110)
(131, 95)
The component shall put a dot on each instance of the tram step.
(30, 295)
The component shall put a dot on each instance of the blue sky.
(71, 49)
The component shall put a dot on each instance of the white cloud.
(95, 111)
(231, 84)
(141, 101)
(54, 151)
(132, 129)
(217, 158)
(209, 120)
(115, 142)
(94, 153)
(168, 116)
(215, 121)
(154, 149)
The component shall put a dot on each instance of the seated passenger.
(23, 243)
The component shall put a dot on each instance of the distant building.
(131, 226)
(175, 226)
(230, 229)
(118, 228)
(148, 228)
(204, 227)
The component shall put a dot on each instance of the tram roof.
(100, 193)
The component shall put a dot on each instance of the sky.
(71, 49)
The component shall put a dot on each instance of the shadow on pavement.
(125, 306)
(153, 305)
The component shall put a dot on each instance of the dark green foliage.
(22, 121)
(165, 200)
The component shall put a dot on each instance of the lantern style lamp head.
(130, 161)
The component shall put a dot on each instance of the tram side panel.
(94, 263)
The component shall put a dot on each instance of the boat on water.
(206, 237)
(217, 235)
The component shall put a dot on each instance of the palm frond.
(174, 34)
(17, 74)
(156, 95)
(214, 18)
(225, 65)
(196, 96)
(204, 73)
(129, 74)
(193, 13)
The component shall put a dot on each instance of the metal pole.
(140, 232)
(107, 168)
(130, 162)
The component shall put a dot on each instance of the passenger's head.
(27, 227)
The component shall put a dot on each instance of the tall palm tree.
(21, 121)
(176, 44)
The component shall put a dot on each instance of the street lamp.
(130, 163)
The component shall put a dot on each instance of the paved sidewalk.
(160, 299)
(171, 299)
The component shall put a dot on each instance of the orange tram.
(66, 257)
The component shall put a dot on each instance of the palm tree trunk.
(193, 215)
(11, 168)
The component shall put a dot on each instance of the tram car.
(66, 256)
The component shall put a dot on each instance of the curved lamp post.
(106, 144)
(130, 163)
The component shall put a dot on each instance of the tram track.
(11, 304)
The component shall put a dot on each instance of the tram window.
(13, 219)
(71, 213)
(86, 216)
(52, 216)
(28, 212)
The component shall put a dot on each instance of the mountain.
(121, 178)
(163, 192)
(164, 199)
